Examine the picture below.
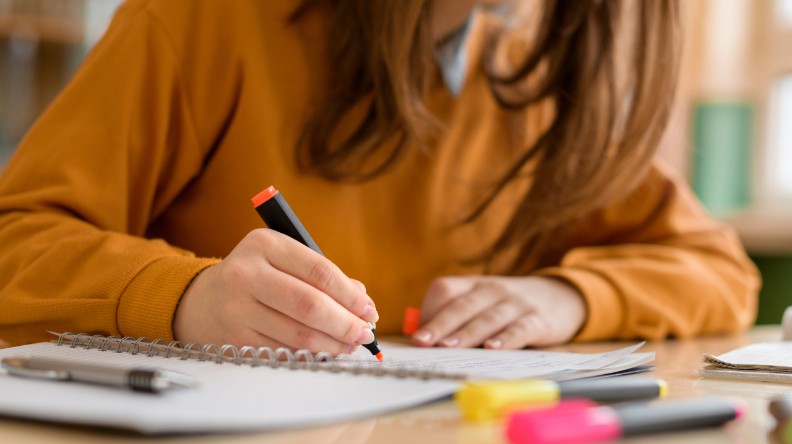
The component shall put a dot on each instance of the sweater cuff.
(148, 304)
(605, 314)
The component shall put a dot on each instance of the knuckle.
(351, 334)
(306, 338)
(323, 274)
(438, 286)
(489, 288)
(440, 291)
(464, 304)
(512, 338)
(504, 310)
(360, 285)
(439, 326)
(309, 307)
(358, 304)
(524, 324)
(492, 316)
(261, 236)
(522, 330)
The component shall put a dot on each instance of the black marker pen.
(278, 216)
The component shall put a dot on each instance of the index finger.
(294, 258)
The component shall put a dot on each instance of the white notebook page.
(507, 364)
(235, 398)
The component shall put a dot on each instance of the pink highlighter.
(583, 421)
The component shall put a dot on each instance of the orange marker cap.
(412, 320)
(264, 196)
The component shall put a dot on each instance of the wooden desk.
(440, 422)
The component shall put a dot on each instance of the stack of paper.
(769, 362)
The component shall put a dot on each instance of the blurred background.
(731, 134)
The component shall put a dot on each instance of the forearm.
(652, 291)
(62, 274)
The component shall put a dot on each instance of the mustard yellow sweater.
(140, 174)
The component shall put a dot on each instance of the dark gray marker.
(278, 215)
(613, 389)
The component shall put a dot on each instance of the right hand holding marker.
(273, 291)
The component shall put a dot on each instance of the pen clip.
(18, 366)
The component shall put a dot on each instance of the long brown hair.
(610, 103)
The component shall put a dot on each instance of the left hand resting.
(499, 312)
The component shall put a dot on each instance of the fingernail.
(449, 342)
(352, 349)
(366, 336)
(493, 343)
(423, 335)
(370, 314)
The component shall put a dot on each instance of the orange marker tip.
(379, 357)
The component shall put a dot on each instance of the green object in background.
(722, 136)
(776, 293)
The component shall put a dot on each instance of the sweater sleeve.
(655, 266)
(108, 156)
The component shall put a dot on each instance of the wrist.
(183, 313)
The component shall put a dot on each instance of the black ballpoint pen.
(276, 213)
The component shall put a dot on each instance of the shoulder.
(202, 22)
(168, 10)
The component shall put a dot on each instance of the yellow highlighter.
(489, 400)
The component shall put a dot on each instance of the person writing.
(491, 162)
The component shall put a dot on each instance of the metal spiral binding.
(247, 355)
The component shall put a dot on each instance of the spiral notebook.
(263, 389)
